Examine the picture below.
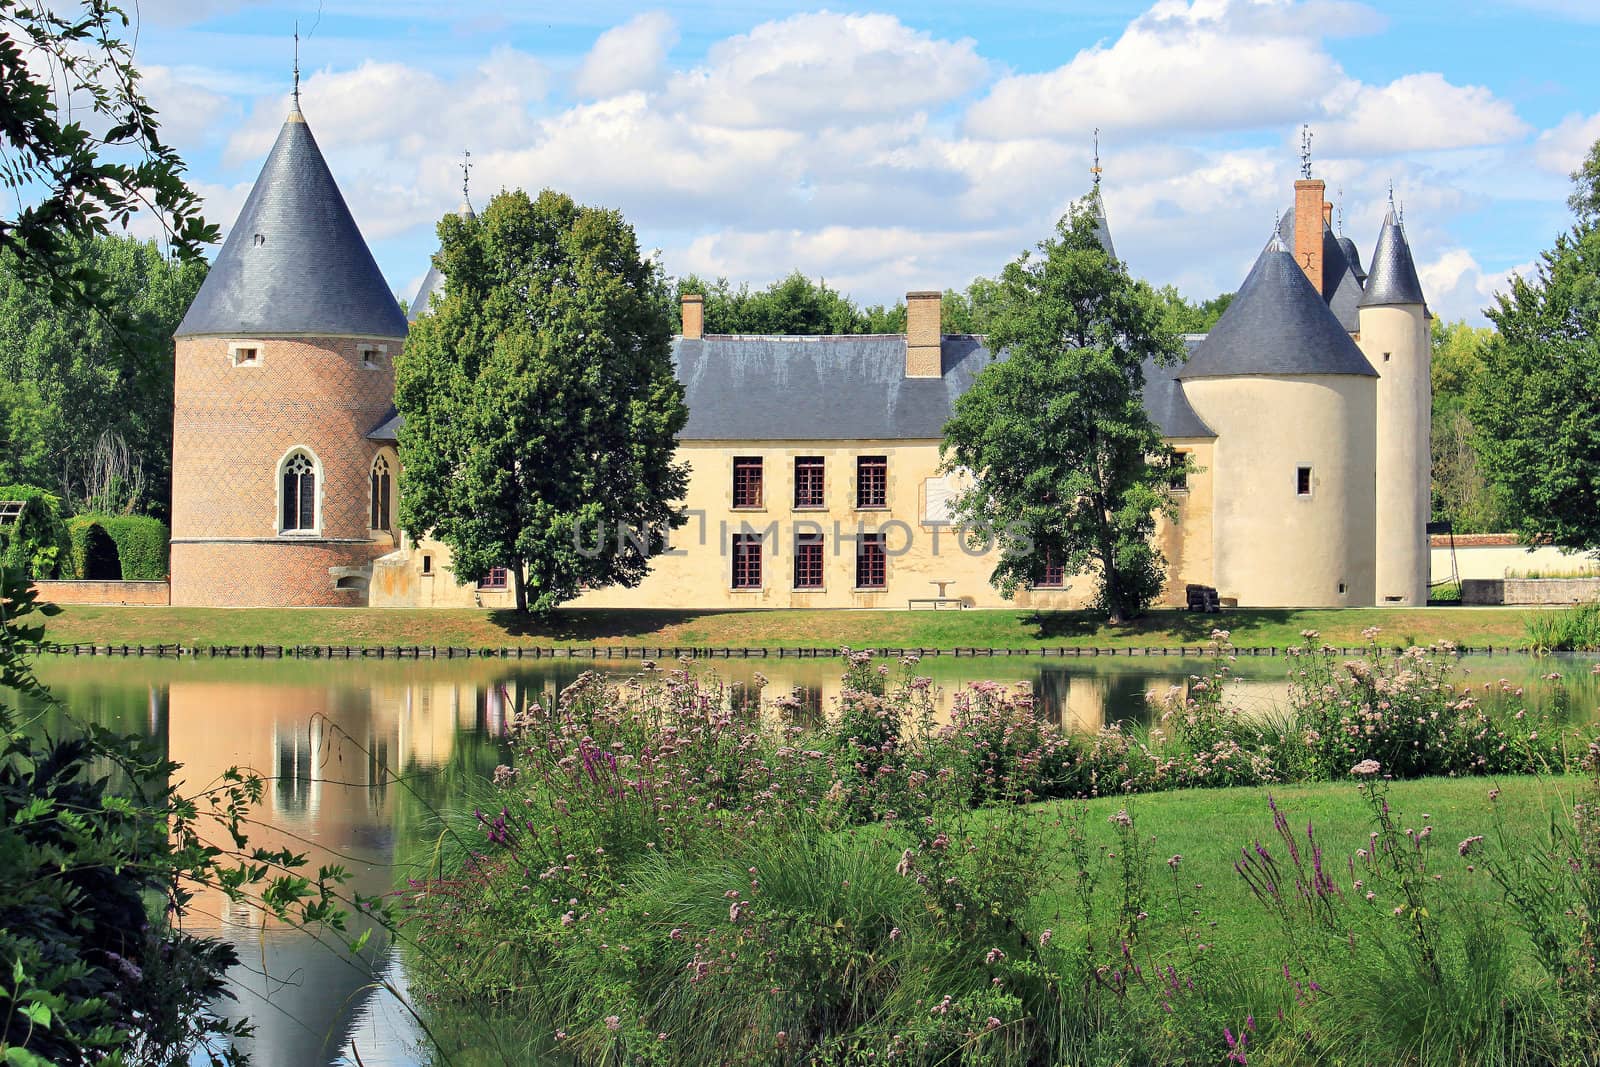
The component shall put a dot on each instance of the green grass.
(1207, 827)
(1476, 627)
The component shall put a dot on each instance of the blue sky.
(910, 146)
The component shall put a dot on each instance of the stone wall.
(1529, 590)
(127, 594)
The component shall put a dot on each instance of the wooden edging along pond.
(627, 652)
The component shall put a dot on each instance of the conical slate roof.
(433, 282)
(295, 262)
(1277, 325)
(1393, 278)
(1352, 255)
(1102, 232)
(1341, 286)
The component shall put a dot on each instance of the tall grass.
(1574, 629)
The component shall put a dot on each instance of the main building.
(815, 470)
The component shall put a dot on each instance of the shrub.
(94, 553)
(36, 543)
(142, 544)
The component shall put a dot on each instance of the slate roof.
(1276, 325)
(1164, 399)
(1393, 278)
(294, 262)
(1352, 255)
(433, 281)
(1102, 230)
(1341, 288)
(388, 428)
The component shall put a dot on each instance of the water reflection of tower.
(329, 754)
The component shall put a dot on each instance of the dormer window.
(373, 356)
(244, 354)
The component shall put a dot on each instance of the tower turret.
(1395, 337)
(283, 364)
(1290, 398)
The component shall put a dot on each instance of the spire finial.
(1305, 150)
(466, 176)
(1095, 170)
(297, 64)
(1391, 195)
(1340, 196)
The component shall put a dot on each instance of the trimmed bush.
(141, 544)
(94, 553)
(36, 543)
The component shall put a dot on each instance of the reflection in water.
(358, 755)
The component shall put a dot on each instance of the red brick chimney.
(694, 316)
(1308, 223)
(923, 334)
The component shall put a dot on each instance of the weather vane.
(1305, 150)
(1095, 170)
(466, 175)
(297, 64)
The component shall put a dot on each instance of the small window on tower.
(372, 356)
(1302, 481)
(244, 355)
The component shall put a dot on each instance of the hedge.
(141, 544)
(94, 553)
(36, 544)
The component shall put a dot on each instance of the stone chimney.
(694, 316)
(1327, 213)
(923, 333)
(1308, 224)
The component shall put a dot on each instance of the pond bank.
(930, 631)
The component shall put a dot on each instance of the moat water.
(359, 755)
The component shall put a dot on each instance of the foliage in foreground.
(1574, 629)
(658, 878)
(100, 856)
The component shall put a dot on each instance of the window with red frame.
(747, 561)
(872, 481)
(747, 482)
(808, 491)
(808, 561)
(495, 579)
(871, 564)
(1054, 576)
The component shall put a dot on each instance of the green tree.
(971, 311)
(1535, 407)
(1184, 316)
(83, 147)
(82, 374)
(1070, 468)
(1460, 492)
(540, 402)
(794, 305)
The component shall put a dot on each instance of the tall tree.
(1070, 469)
(1461, 493)
(83, 373)
(1536, 405)
(970, 311)
(794, 305)
(540, 402)
(1185, 316)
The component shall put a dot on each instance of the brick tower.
(284, 365)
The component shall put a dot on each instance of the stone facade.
(117, 594)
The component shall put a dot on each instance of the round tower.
(1291, 400)
(1395, 337)
(284, 366)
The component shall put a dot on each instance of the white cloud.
(630, 56)
(1562, 149)
(1202, 66)
(826, 69)
(1458, 287)
(1414, 113)
(188, 112)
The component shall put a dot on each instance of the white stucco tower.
(1395, 337)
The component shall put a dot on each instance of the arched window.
(298, 493)
(380, 493)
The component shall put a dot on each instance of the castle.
(815, 471)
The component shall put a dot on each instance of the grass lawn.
(1476, 627)
(1207, 827)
